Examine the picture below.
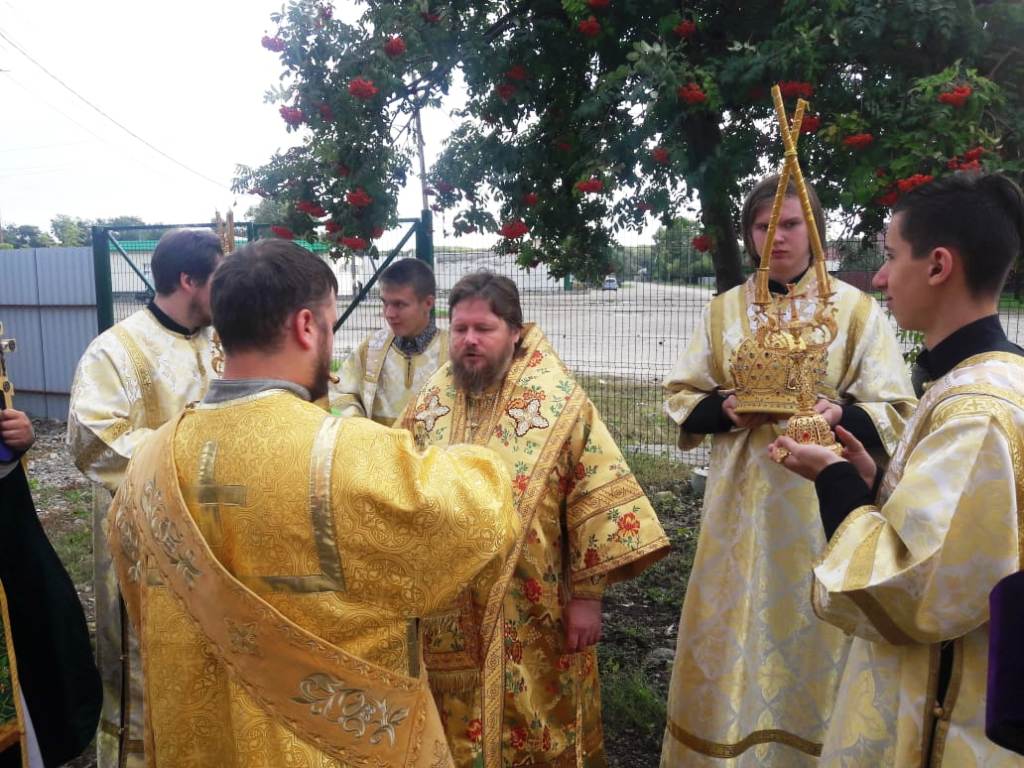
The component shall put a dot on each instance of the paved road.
(637, 331)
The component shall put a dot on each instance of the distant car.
(611, 283)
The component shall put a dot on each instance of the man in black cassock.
(59, 686)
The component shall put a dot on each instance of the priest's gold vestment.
(755, 672)
(522, 700)
(12, 716)
(275, 561)
(131, 379)
(915, 572)
(377, 379)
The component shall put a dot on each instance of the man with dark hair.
(532, 695)
(194, 252)
(390, 365)
(131, 379)
(275, 559)
(908, 569)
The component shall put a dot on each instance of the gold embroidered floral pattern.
(430, 410)
(525, 411)
(351, 708)
(129, 539)
(242, 637)
(165, 532)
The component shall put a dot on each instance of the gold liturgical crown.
(772, 369)
(779, 367)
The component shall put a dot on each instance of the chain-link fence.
(620, 334)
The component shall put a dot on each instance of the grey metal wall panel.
(26, 364)
(65, 276)
(32, 404)
(47, 303)
(18, 277)
(68, 331)
(57, 407)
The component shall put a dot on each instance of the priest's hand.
(582, 624)
(16, 430)
(806, 459)
(745, 420)
(855, 453)
(832, 412)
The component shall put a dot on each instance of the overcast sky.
(188, 77)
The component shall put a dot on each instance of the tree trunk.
(714, 187)
(716, 213)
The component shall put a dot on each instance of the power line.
(124, 128)
(34, 93)
(43, 146)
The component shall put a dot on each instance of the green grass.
(74, 548)
(69, 526)
(659, 473)
(632, 410)
(629, 702)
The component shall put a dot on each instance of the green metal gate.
(123, 277)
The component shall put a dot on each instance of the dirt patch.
(641, 618)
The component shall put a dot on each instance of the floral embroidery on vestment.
(429, 411)
(525, 412)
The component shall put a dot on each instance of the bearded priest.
(531, 696)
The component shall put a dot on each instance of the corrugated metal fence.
(48, 304)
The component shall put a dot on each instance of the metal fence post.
(101, 276)
(425, 238)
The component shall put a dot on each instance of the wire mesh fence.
(620, 334)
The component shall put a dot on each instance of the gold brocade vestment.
(12, 715)
(377, 379)
(131, 379)
(278, 611)
(915, 572)
(756, 672)
(522, 700)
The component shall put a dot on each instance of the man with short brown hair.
(391, 364)
(914, 553)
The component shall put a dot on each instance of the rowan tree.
(583, 118)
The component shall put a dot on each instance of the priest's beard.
(322, 369)
(200, 313)
(482, 378)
